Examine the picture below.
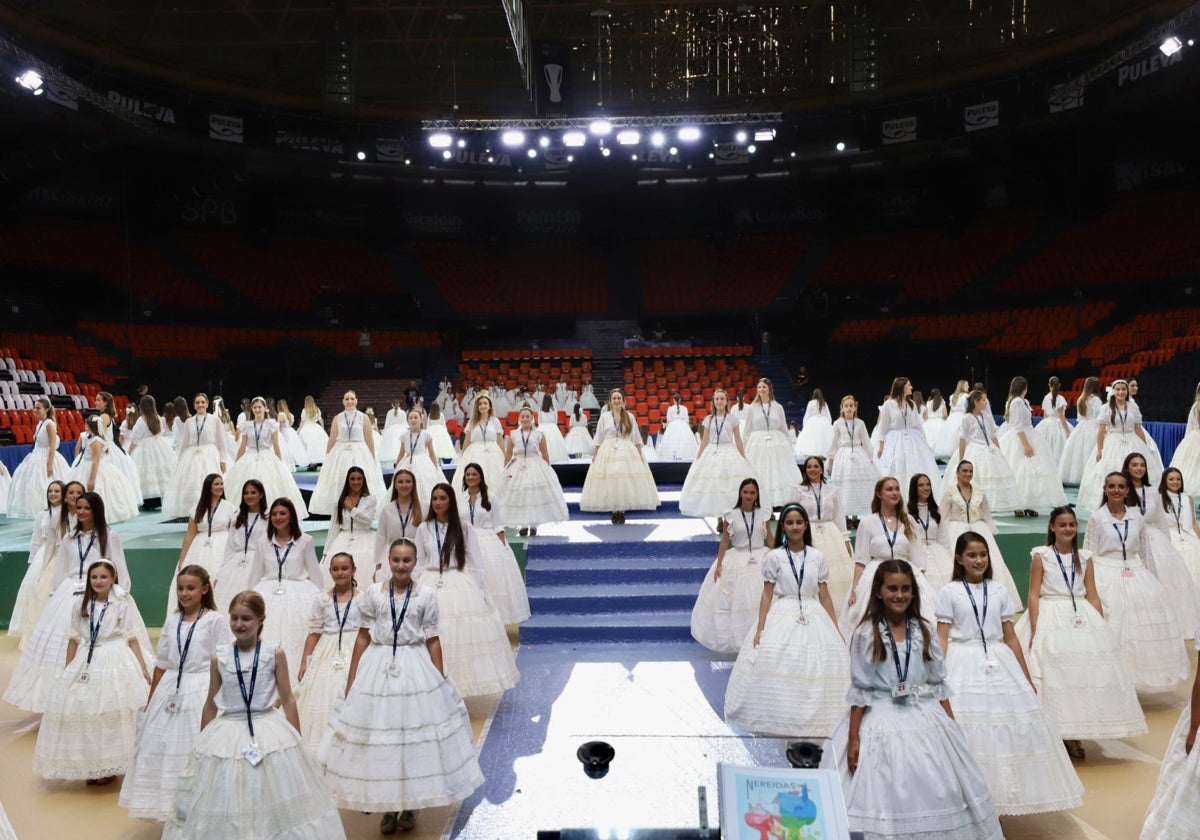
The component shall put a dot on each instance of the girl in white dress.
(720, 466)
(978, 444)
(56, 529)
(827, 524)
(1180, 511)
(1015, 742)
(190, 637)
(89, 729)
(482, 441)
(790, 675)
(579, 440)
(478, 656)
(852, 466)
(287, 576)
(946, 444)
(931, 543)
(242, 545)
(1174, 812)
(903, 451)
(934, 418)
(250, 767)
(388, 449)
(532, 493)
(618, 479)
(886, 535)
(259, 456)
(816, 432)
(1153, 456)
(587, 397)
(905, 766)
(150, 450)
(202, 450)
(1135, 602)
(768, 447)
(351, 444)
(556, 445)
(1054, 428)
(398, 519)
(96, 470)
(1034, 467)
(727, 604)
(1078, 671)
(1161, 556)
(312, 432)
(110, 428)
(1187, 455)
(207, 533)
(44, 464)
(443, 445)
(965, 507)
(1118, 434)
(501, 573)
(43, 545)
(1080, 447)
(402, 739)
(295, 453)
(676, 443)
(332, 629)
(417, 455)
(350, 527)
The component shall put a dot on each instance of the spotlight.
(764, 135)
(513, 138)
(657, 139)
(793, 154)
(689, 133)
(606, 152)
(532, 153)
(1191, 42)
(408, 162)
(361, 155)
(543, 141)
(751, 148)
(462, 144)
(491, 159)
(446, 155)
(574, 139)
(1171, 46)
(570, 158)
(441, 140)
(841, 147)
(711, 156)
(601, 128)
(628, 137)
(673, 151)
(633, 156)
(740, 136)
(31, 80)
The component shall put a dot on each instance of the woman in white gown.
(579, 440)
(587, 397)
(1054, 428)
(150, 450)
(979, 445)
(1119, 433)
(947, 441)
(110, 427)
(1030, 455)
(27, 492)
(96, 471)
(394, 422)
(903, 452)
(934, 418)
(618, 479)
(202, 450)
(676, 443)
(768, 447)
(852, 466)
(482, 442)
(259, 456)
(816, 432)
(417, 455)
(964, 507)
(720, 467)
(312, 432)
(556, 444)
(1082, 442)
(351, 444)
(1187, 455)
(295, 453)
(531, 490)
(443, 445)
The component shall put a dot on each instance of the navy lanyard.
(719, 422)
(201, 421)
(982, 430)
(1070, 582)
(901, 675)
(816, 491)
(437, 533)
(799, 576)
(979, 620)
(1177, 510)
(849, 424)
(279, 562)
(1140, 492)
(83, 553)
(749, 528)
(412, 445)
(247, 696)
(404, 519)
(525, 441)
(471, 508)
(966, 500)
(924, 523)
(766, 413)
(249, 529)
(341, 617)
(350, 424)
(397, 621)
(1123, 537)
(210, 518)
(182, 646)
(258, 427)
(1122, 415)
(892, 537)
(94, 627)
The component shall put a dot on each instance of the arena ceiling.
(441, 60)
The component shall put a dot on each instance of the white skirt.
(502, 574)
(992, 475)
(792, 685)
(288, 614)
(284, 797)
(1082, 680)
(443, 444)
(1054, 436)
(677, 442)
(618, 479)
(234, 575)
(726, 609)
(89, 729)
(1079, 449)
(933, 428)
(27, 489)
(164, 746)
(25, 608)
(556, 445)
(155, 461)
(1185, 542)
(830, 541)
(1174, 812)
(815, 438)
(770, 454)
(400, 742)
(1172, 572)
(1000, 573)
(490, 459)
(295, 453)
(183, 490)
(128, 469)
(332, 477)
(476, 653)
(276, 478)
(1017, 745)
(205, 551)
(905, 454)
(315, 440)
(532, 493)
(121, 499)
(946, 446)
(387, 446)
(579, 442)
(939, 562)
(1186, 459)
(902, 746)
(713, 481)
(855, 473)
(1116, 448)
(324, 685)
(1035, 479)
(1148, 636)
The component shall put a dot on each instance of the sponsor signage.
(899, 130)
(981, 116)
(226, 128)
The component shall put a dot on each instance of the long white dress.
(579, 440)
(402, 738)
(287, 576)
(1180, 511)
(713, 479)
(27, 489)
(1081, 445)
(242, 547)
(312, 432)
(154, 457)
(973, 513)
(677, 443)
(992, 473)
(43, 546)
(260, 461)
(172, 718)
(443, 445)
(874, 543)
(501, 572)
(120, 498)
(122, 461)
(587, 398)
(387, 446)
(791, 684)
(769, 451)
(931, 544)
(905, 450)
(816, 432)
(324, 682)
(531, 490)
(1166, 562)
(904, 743)
(556, 444)
(351, 450)
(946, 445)
(1186, 458)
(484, 450)
(1174, 812)
(1074, 661)
(1120, 440)
(352, 535)
(295, 453)
(208, 547)
(618, 479)
(935, 422)
(827, 523)
(414, 456)
(1135, 603)
(202, 448)
(852, 466)
(1015, 742)
(1051, 430)
(726, 609)
(1036, 478)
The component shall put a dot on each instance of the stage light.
(751, 148)
(1191, 42)
(633, 156)
(601, 128)
(628, 137)
(657, 139)
(570, 158)
(673, 150)
(408, 162)
(711, 156)
(446, 155)
(841, 147)
(574, 139)
(1171, 46)
(532, 153)
(513, 138)
(543, 141)
(361, 155)
(764, 135)
(689, 133)
(441, 140)
(31, 80)
(606, 152)
(491, 159)
(793, 154)
(462, 144)
(740, 136)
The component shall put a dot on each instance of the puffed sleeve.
(885, 421)
(74, 632)
(162, 654)
(125, 611)
(1090, 540)
(944, 606)
(935, 670)
(497, 516)
(316, 616)
(367, 604)
(771, 565)
(822, 566)
(430, 617)
(1003, 602)
(862, 669)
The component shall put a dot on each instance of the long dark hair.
(62, 495)
(207, 600)
(64, 514)
(758, 494)
(780, 536)
(455, 544)
(149, 412)
(959, 572)
(293, 527)
(206, 497)
(88, 592)
(1128, 489)
(874, 614)
(1050, 539)
(914, 502)
(901, 514)
(804, 482)
(99, 520)
(244, 510)
(366, 490)
(483, 491)
(1164, 493)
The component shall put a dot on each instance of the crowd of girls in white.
(915, 615)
